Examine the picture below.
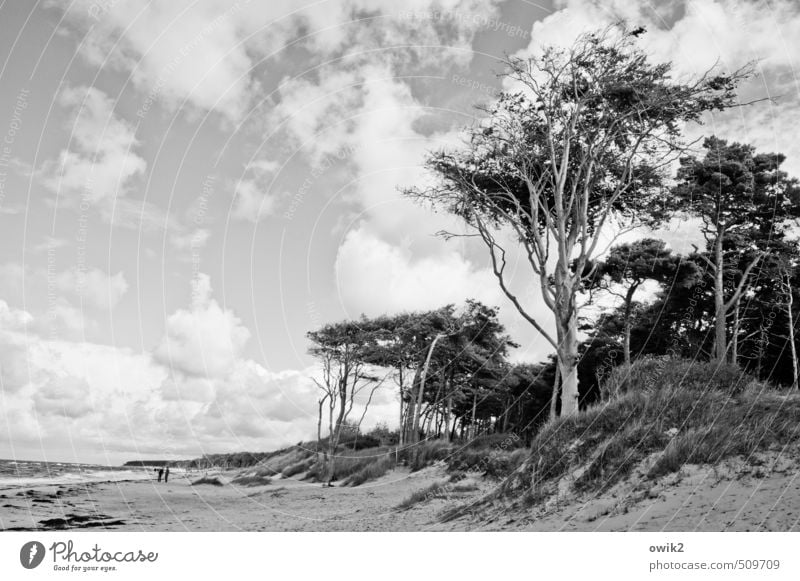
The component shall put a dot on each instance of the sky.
(188, 187)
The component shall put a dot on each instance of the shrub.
(252, 480)
(649, 374)
(384, 435)
(212, 480)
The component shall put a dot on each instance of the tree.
(744, 200)
(629, 266)
(343, 350)
(581, 145)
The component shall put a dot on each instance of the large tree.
(744, 201)
(628, 266)
(578, 147)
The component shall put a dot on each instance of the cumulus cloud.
(101, 163)
(111, 403)
(203, 53)
(693, 35)
(203, 341)
(375, 277)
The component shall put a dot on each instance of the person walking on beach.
(160, 473)
(166, 475)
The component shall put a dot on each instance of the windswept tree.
(745, 202)
(344, 350)
(628, 266)
(580, 147)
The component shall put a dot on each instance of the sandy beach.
(285, 505)
(701, 498)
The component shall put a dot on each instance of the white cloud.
(84, 400)
(203, 53)
(101, 163)
(253, 199)
(66, 397)
(375, 277)
(692, 35)
(93, 285)
(204, 341)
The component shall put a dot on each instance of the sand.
(737, 497)
(284, 505)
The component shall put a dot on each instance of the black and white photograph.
(425, 266)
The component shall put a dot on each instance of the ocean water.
(23, 474)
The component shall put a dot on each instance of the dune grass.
(433, 490)
(212, 480)
(373, 470)
(256, 478)
(298, 467)
(680, 411)
(347, 463)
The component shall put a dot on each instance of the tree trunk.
(735, 334)
(506, 413)
(319, 425)
(401, 425)
(554, 396)
(421, 394)
(411, 408)
(626, 341)
(720, 341)
(789, 304)
(568, 365)
(474, 410)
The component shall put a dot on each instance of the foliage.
(212, 480)
(716, 412)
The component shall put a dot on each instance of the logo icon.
(31, 554)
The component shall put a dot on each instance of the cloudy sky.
(187, 187)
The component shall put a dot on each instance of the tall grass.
(681, 411)
(259, 476)
(347, 463)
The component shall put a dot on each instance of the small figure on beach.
(166, 475)
(160, 473)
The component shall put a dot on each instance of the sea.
(18, 474)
